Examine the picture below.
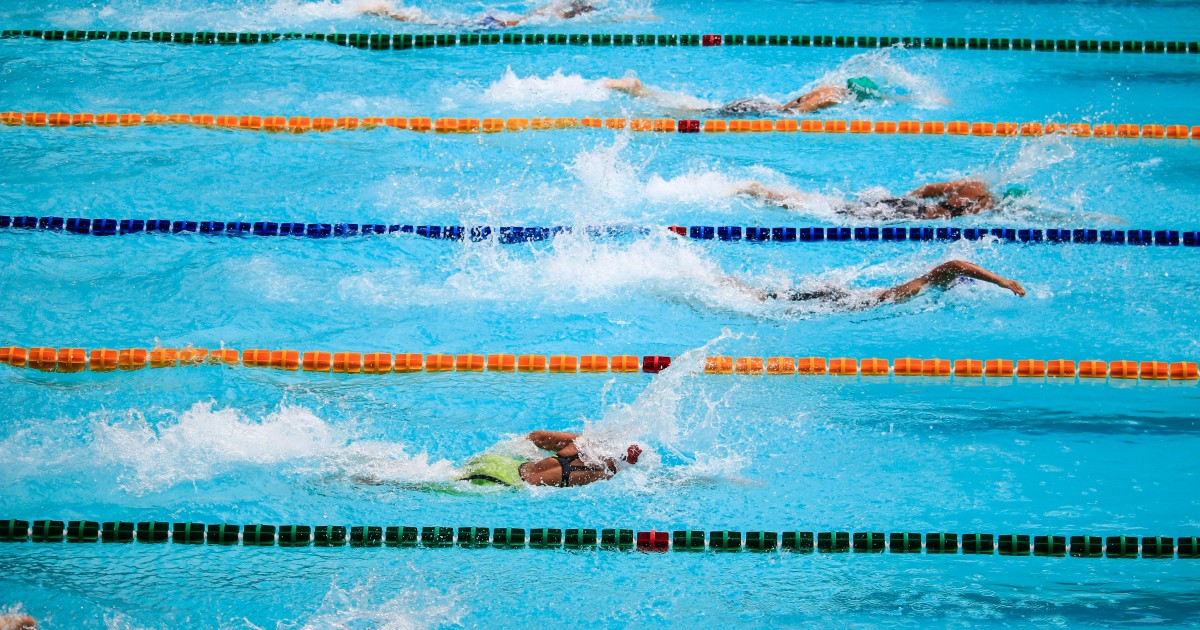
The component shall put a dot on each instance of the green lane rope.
(399, 41)
(1050, 545)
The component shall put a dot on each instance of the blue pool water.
(213, 444)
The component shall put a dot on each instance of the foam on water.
(115, 620)
(577, 269)
(413, 608)
(903, 75)
(695, 186)
(618, 172)
(203, 443)
(1035, 157)
(603, 172)
(534, 91)
(655, 414)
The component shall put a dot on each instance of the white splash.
(890, 68)
(361, 606)
(534, 91)
(204, 442)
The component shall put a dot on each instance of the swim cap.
(578, 7)
(863, 89)
(632, 454)
(1015, 191)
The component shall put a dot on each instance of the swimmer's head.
(576, 8)
(863, 89)
(632, 454)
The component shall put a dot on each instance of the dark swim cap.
(579, 7)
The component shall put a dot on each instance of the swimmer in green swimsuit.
(857, 89)
(563, 469)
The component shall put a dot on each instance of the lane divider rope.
(49, 359)
(187, 533)
(521, 234)
(304, 124)
(404, 41)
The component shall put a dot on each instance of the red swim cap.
(632, 454)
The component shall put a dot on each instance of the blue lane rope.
(520, 234)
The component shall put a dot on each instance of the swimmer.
(856, 89)
(560, 10)
(942, 277)
(17, 621)
(939, 200)
(564, 469)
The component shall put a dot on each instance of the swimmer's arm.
(970, 204)
(633, 17)
(382, 12)
(969, 188)
(942, 276)
(630, 86)
(731, 281)
(936, 189)
(553, 440)
(758, 191)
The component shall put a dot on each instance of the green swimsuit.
(491, 469)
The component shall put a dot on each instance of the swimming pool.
(213, 444)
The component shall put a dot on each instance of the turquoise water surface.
(211, 444)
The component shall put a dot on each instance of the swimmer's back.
(756, 105)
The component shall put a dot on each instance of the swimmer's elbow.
(952, 266)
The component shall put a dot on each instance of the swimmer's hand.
(758, 191)
(1013, 285)
(629, 85)
(750, 188)
(385, 11)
